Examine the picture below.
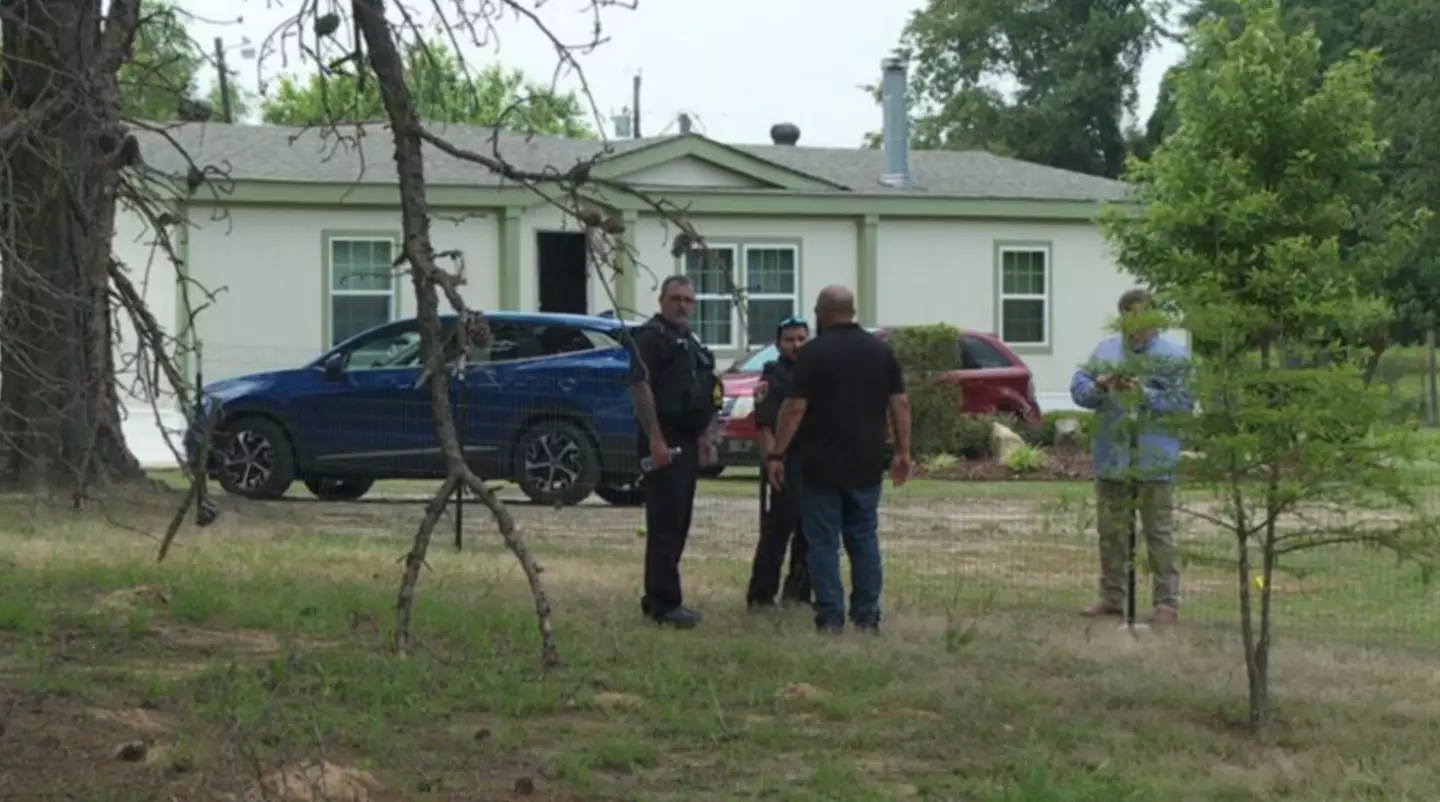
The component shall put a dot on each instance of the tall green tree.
(164, 67)
(1257, 221)
(1074, 66)
(442, 93)
(1407, 107)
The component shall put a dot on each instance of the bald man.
(846, 388)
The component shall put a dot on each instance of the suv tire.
(555, 463)
(255, 459)
(339, 489)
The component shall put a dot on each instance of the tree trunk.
(59, 410)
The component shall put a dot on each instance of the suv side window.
(508, 342)
(391, 347)
(555, 340)
(976, 354)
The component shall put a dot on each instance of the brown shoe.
(1099, 609)
(1165, 616)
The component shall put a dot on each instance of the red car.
(993, 378)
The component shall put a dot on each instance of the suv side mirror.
(334, 367)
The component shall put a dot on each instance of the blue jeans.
(832, 515)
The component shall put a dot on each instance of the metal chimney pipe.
(895, 133)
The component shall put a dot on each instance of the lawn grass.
(260, 644)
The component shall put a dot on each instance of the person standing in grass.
(676, 395)
(780, 520)
(1142, 373)
(848, 386)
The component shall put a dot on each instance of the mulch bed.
(1061, 465)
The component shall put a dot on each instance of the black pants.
(780, 527)
(669, 506)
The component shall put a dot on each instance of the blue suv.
(543, 404)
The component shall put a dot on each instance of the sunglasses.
(792, 321)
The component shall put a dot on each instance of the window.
(770, 279)
(568, 340)
(392, 347)
(976, 354)
(713, 275)
(362, 284)
(768, 276)
(1025, 295)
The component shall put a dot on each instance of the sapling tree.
(1247, 222)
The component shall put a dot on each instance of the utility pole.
(636, 105)
(224, 80)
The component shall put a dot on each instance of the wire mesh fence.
(546, 417)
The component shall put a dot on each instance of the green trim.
(867, 269)
(742, 344)
(724, 156)
(328, 236)
(760, 203)
(511, 273)
(1048, 246)
(626, 266)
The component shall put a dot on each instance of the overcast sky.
(736, 66)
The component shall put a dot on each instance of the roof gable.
(691, 148)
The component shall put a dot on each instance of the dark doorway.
(561, 260)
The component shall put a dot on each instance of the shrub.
(1025, 459)
(972, 436)
(926, 354)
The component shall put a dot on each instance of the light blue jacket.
(1165, 391)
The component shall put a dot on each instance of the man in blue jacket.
(1133, 382)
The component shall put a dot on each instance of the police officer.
(676, 395)
(780, 518)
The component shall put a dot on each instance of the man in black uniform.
(780, 519)
(676, 395)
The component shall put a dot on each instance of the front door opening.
(561, 262)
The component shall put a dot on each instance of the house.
(296, 244)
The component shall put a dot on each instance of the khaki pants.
(1157, 520)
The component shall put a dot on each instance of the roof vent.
(784, 133)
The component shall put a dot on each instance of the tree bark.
(59, 408)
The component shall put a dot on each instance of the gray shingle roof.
(282, 153)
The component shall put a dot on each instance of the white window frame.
(740, 251)
(736, 254)
(793, 296)
(334, 292)
(1044, 298)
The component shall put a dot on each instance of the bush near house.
(926, 354)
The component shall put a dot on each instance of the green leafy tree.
(442, 93)
(1074, 63)
(1407, 108)
(1256, 225)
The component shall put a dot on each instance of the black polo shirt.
(846, 376)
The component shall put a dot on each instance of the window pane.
(1022, 321)
(712, 273)
(561, 340)
(756, 362)
(977, 354)
(352, 314)
(770, 271)
(361, 265)
(396, 349)
(1023, 272)
(713, 323)
(762, 316)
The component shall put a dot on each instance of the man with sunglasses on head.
(780, 518)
